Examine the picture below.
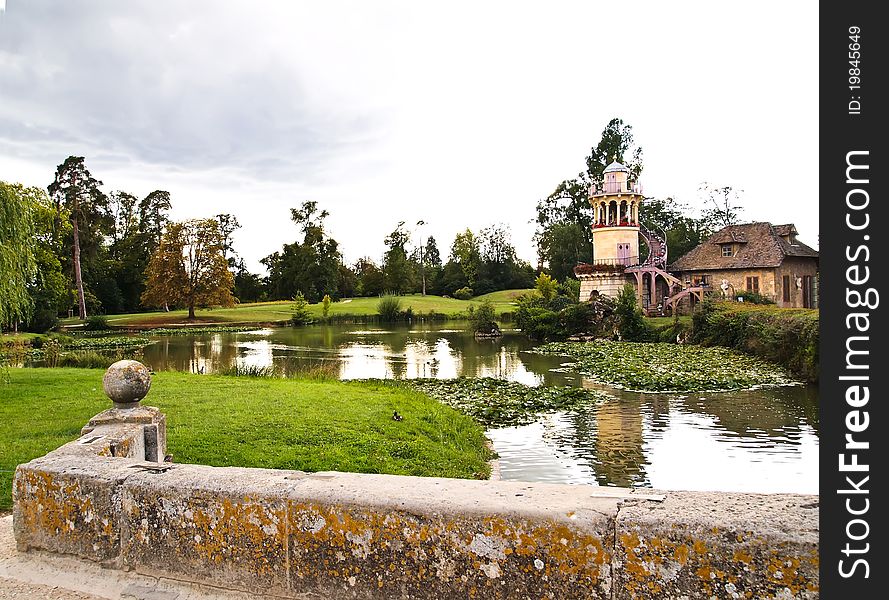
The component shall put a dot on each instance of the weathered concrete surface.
(118, 424)
(344, 535)
(70, 505)
(349, 535)
(723, 545)
(126, 382)
(47, 576)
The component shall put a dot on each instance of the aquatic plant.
(499, 403)
(660, 367)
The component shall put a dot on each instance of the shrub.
(482, 318)
(301, 313)
(389, 308)
(630, 322)
(86, 360)
(239, 370)
(570, 288)
(753, 298)
(786, 336)
(43, 320)
(546, 286)
(97, 323)
(325, 305)
(463, 293)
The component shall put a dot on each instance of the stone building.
(754, 257)
(617, 231)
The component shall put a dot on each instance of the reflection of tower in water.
(621, 459)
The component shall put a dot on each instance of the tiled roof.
(616, 166)
(758, 245)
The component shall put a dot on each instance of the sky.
(458, 114)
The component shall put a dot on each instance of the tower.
(616, 226)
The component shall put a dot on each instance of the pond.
(763, 440)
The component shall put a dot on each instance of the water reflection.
(759, 440)
(398, 352)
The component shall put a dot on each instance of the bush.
(630, 322)
(86, 360)
(753, 298)
(301, 313)
(97, 323)
(546, 286)
(43, 320)
(325, 305)
(463, 293)
(482, 319)
(570, 288)
(389, 308)
(786, 336)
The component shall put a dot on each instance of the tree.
(562, 246)
(546, 286)
(49, 289)
(371, 279)
(228, 224)
(683, 232)
(720, 208)
(153, 218)
(125, 215)
(311, 266)
(189, 268)
(569, 203)
(396, 266)
(17, 261)
(77, 192)
(616, 141)
(466, 252)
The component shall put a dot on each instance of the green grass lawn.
(305, 424)
(276, 312)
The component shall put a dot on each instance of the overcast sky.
(456, 113)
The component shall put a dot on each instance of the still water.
(757, 441)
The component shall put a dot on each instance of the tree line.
(72, 248)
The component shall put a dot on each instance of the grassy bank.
(787, 336)
(280, 312)
(310, 425)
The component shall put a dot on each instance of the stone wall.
(380, 536)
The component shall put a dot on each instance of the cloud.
(457, 113)
(158, 82)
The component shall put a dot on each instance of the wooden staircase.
(656, 264)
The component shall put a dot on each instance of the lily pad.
(499, 403)
(657, 367)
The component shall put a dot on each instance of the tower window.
(727, 250)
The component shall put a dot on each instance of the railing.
(616, 223)
(606, 264)
(616, 187)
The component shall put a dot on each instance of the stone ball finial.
(126, 382)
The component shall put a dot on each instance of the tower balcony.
(615, 187)
(606, 265)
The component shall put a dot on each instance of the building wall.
(796, 268)
(606, 285)
(737, 280)
(605, 242)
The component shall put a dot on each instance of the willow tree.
(77, 195)
(189, 268)
(17, 264)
